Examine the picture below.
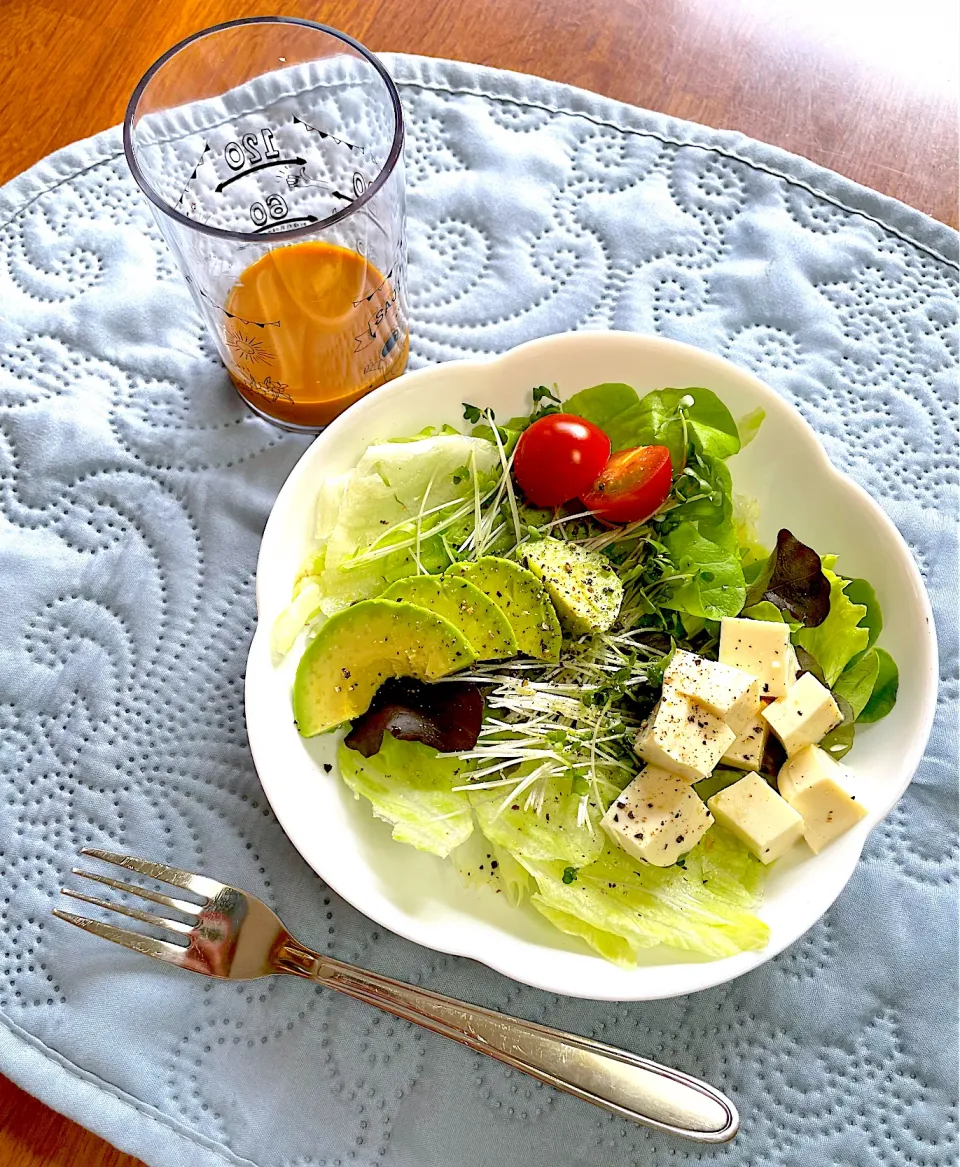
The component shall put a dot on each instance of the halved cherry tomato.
(632, 485)
(559, 456)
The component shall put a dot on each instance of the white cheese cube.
(727, 692)
(746, 753)
(759, 647)
(684, 737)
(758, 816)
(657, 818)
(813, 783)
(804, 715)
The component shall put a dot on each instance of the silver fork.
(234, 935)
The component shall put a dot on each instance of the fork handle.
(619, 1081)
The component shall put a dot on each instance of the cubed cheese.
(804, 715)
(759, 647)
(728, 693)
(813, 783)
(758, 816)
(684, 737)
(657, 818)
(746, 753)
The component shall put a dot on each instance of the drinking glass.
(271, 150)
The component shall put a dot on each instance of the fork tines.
(198, 885)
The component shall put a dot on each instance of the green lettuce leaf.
(376, 505)
(857, 680)
(481, 863)
(710, 427)
(884, 695)
(707, 487)
(839, 638)
(298, 613)
(655, 419)
(704, 906)
(748, 426)
(714, 585)
(719, 780)
(554, 833)
(839, 742)
(603, 405)
(860, 592)
(617, 949)
(746, 516)
(766, 610)
(410, 786)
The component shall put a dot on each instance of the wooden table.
(836, 80)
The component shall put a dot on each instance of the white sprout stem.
(568, 519)
(419, 527)
(515, 794)
(507, 464)
(486, 531)
(477, 512)
(377, 551)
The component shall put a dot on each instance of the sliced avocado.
(522, 599)
(585, 589)
(456, 599)
(359, 648)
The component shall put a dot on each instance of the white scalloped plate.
(419, 896)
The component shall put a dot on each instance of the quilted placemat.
(133, 490)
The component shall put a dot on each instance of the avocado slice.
(356, 650)
(585, 589)
(456, 599)
(522, 599)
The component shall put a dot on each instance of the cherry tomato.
(558, 457)
(631, 486)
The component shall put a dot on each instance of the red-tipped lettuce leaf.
(793, 580)
(445, 716)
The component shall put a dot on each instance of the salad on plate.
(560, 657)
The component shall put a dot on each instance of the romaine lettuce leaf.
(839, 638)
(616, 949)
(702, 907)
(379, 501)
(484, 864)
(554, 833)
(300, 611)
(410, 786)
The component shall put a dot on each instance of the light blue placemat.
(133, 489)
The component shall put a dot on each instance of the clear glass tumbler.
(271, 150)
